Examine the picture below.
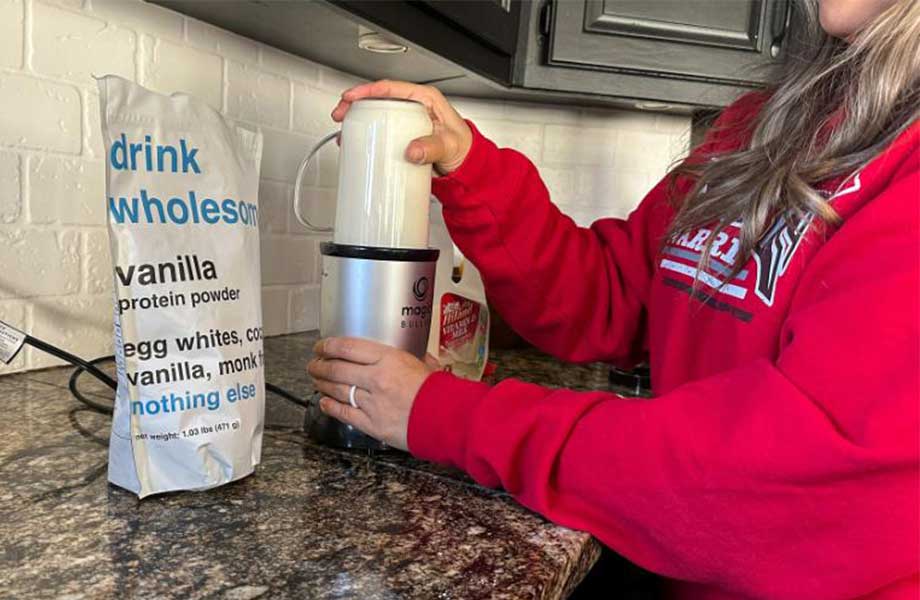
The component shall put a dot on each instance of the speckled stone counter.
(311, 523)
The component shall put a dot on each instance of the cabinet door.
(726, 41)
(493, 21)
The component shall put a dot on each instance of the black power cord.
(91, 368)
(271, 387)
(72, 384)
(78, 362)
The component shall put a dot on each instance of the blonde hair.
(833, 107)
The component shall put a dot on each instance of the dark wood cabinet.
(728, 41)
(494, 22)
(481, 35)
(684, 52)
(658, 54)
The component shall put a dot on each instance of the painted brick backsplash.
(39, 114)
(74, 46)
(11, 33)
(177, 68)
(56, 276)
(256, 96)
(66, 190)
(11, 184)
(39, 262)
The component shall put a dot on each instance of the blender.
(378, 271)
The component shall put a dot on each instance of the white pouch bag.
(183, 215)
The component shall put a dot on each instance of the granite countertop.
(311, 523)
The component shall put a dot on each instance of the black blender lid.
(376, 253)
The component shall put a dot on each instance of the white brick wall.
(55, 278)
(11, 29)
(11, 184)
(596, 163)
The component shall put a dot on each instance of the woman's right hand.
(446, 147)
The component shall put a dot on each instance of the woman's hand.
(387, 381)
(446, 147)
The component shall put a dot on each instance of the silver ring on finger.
(351, 396)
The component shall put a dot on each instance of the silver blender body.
(383, 294)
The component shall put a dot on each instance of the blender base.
(327, 431)
(382, 294)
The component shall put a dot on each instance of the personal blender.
(378, 271)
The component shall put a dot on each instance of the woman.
(773, 281)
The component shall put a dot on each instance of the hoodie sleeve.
(578, 293)
(795, 478)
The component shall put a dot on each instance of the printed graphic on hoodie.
(770, 260)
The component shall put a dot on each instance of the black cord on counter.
(286, 395)
(72, 359)
(72, 384)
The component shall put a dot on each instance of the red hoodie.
(779, 458)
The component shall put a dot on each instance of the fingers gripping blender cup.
(378, 270)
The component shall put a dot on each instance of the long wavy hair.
(833, 106)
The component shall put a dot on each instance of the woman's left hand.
(387, 381)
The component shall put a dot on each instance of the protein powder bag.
(183, 214)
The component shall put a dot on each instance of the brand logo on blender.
(420, 291)
(420, 288)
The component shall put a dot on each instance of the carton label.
(11, 341)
